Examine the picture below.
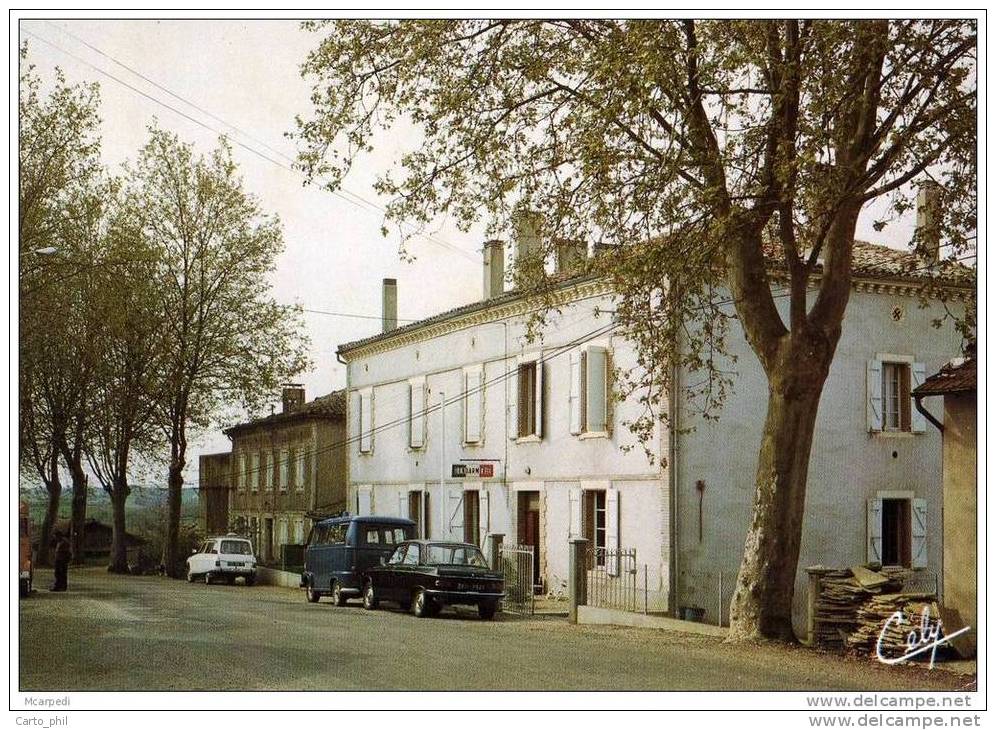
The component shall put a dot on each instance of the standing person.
(63, 553)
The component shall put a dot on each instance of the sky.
(246, 74)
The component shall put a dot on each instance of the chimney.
(389, 301)
(528, 243)
(494, 269)
(571, 257)
(293, 397)
(928, 212)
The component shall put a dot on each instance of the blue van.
(340, 549)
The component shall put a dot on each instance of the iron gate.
(516, 565)
(613, 580)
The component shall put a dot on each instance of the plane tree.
(707, 151)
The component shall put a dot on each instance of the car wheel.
(207, 579)
(370, 600)
(423, 606)
(487, 610)
(250, 580)
(337, 598)
(311, 594)
(190, 575)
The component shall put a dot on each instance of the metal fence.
(516, 564)
(616, 580)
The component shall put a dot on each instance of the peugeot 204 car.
(223, 559)
(426, 575)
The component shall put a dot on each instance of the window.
(897, 530)
(373, 536)
(595, 523)
(393, 535)
(416, 413)
(336, 534)
(472, 517)
(398, 556)
(589, 391)
(529, 402)
(267, 469)
(299, 467)
(473, 397)
(284, 469)
(254, 477)
(366, 421)
(411, 555)
(895, 396)
(240, 477)
(418, 502)
(890, 382)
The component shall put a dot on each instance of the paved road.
(122, 633)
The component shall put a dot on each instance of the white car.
(223, 558)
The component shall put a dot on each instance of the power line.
(341, 193)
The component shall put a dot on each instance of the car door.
(408, 571)
(199, 561)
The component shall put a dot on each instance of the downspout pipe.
(918, 402)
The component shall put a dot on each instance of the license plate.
(469, 587)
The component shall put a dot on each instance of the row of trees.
(145, 306)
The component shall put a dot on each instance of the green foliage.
(689, 144)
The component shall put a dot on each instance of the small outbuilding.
(956, 383)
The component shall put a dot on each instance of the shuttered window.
(256, 475)
(897, 531)
(889, 387)
(284, 469)
(416, 413)
(588, 400)
(529, 400)
(473, 397)
(366, 421)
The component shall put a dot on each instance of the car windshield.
(455, 555)
(235, 547)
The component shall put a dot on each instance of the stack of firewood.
(873, 621)
(842, 595)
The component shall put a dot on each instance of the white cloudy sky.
(246, 73)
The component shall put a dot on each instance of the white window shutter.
(574, 528)
(512, 400)
(416, 410)
(366, 421)
(364, 501)
(484, 504)
(454, 510)
(612, 531)
(918, 372)
(918, 545)
(472, 406)
(574, 397)
(539, 397)
(873, 407)
(874, 551)
(596, 389)
(403, 504)
(284, 468)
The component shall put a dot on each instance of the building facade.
(214, 492)
(562, 463)
(287, 470)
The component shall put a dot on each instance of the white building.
(540, 414)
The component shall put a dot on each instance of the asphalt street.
(151, 633)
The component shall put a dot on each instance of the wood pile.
(872, 618)
(843, 593)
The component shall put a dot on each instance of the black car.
(341, 549)
(428, 574)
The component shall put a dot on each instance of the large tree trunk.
(119, 545)
(78, 519)
(53, 486)
(171, 558)
(761, 607)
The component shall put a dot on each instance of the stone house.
(287, 470)
(531, 444)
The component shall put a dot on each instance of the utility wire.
(337, 192)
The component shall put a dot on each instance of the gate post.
(494, 549)
(577, 588)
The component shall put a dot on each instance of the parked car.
(427, 575)
(25, 563)
(341, 549)
(223, 558)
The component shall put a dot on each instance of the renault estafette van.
(341, 549)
